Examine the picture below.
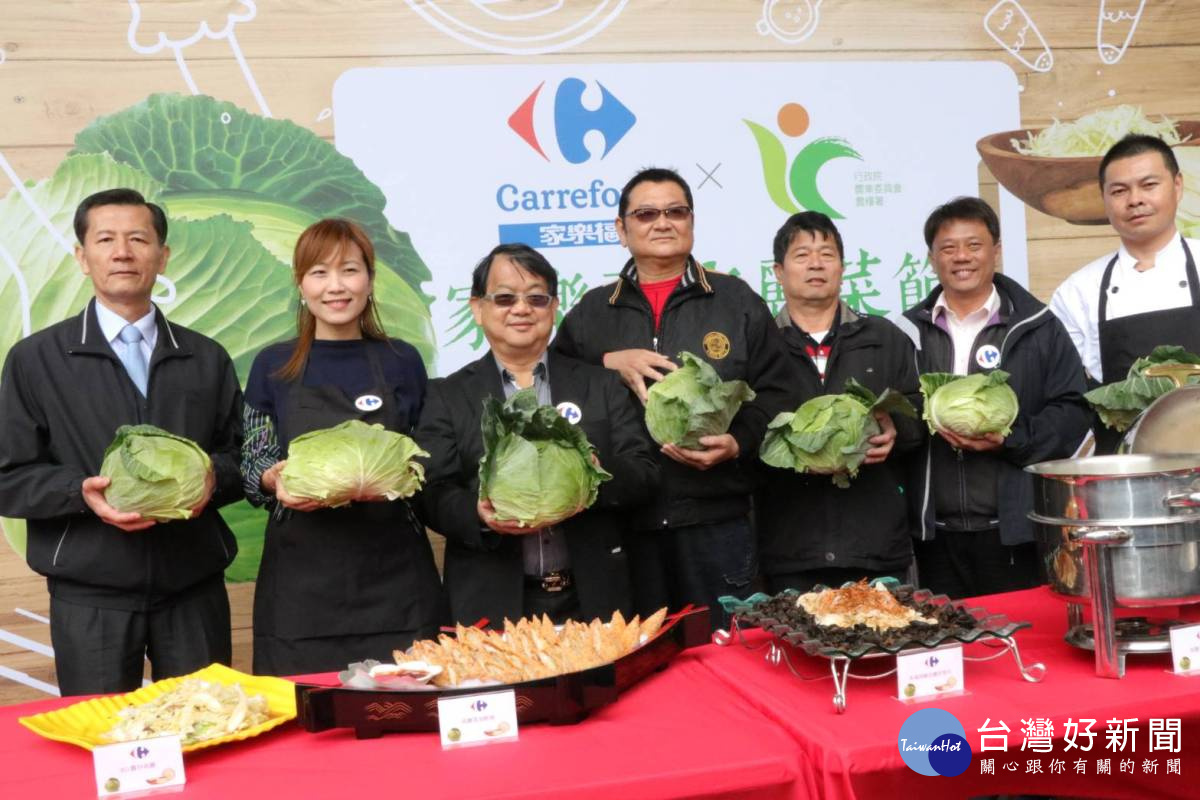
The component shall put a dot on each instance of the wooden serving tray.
(560, 700)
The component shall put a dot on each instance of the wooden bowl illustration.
(1067, 188)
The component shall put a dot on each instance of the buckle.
(555, 581)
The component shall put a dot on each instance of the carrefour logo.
(794, 188)
(933, 742)
(572, 121)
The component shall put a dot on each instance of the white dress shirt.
(964, 330)
(112, 323)
(1077, 301)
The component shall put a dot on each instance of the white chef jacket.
(1077, 301)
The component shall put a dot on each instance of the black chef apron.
(1126, 339)
(365, 568)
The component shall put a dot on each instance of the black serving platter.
(559, 700)
(957, 622)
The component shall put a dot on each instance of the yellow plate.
(85, 723)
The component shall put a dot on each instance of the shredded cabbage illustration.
(1093, 134)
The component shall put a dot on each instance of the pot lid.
(1170, 425)
(1118, 465)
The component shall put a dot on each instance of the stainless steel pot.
(1140, 489)
(1151, 565)
(1144, 509)
(1119, 530)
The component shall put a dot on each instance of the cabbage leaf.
(352, 461)
(829, 434)
(196, 144)
(154, 473)
(537, 468)
(692, 402)
(969, 405)
(1119, 403)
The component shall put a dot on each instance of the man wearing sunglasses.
(694, 541)
(577, 569)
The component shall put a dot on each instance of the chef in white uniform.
(1121, 306)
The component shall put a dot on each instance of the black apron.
(1126, 339)
(364, 568)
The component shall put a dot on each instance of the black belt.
(978, 526)
(555, 581)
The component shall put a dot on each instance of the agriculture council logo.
(573, 121)
(933, 742)
(801, 177)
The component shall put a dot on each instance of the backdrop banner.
(472, 156)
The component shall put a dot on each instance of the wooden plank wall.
(66, 62)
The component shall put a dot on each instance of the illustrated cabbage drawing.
(691, 402)
(154, 473)
(238, 189)
(828, 434)
(537, 467)
(1119, 403)
(969, 405)
(352, 461)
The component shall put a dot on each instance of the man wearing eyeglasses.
(694, 541)
(577, 569)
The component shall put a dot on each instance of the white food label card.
(929, 673)
(144, 766)
(1185, 649)
(478, 718)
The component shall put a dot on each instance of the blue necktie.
(132, 357)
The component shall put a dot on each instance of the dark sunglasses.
(647, 216)
(509, 299)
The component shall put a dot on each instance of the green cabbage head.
(969, 405)
(828, 434)
(1119, 403)
(154, 473)
(691, 402)
(537, 467)
(352, 461)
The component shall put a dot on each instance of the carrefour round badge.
(368, 402)
(570, 412)
(988, 356)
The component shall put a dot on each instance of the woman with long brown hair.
(335, 585)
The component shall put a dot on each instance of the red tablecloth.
(856, 755)
(679, 733)
(718, 722)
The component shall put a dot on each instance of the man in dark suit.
(123, 588)
(494, 568)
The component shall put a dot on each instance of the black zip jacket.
(969, 491)
(720, 319)
(63, 394)
(804, 521)
(484, 575)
